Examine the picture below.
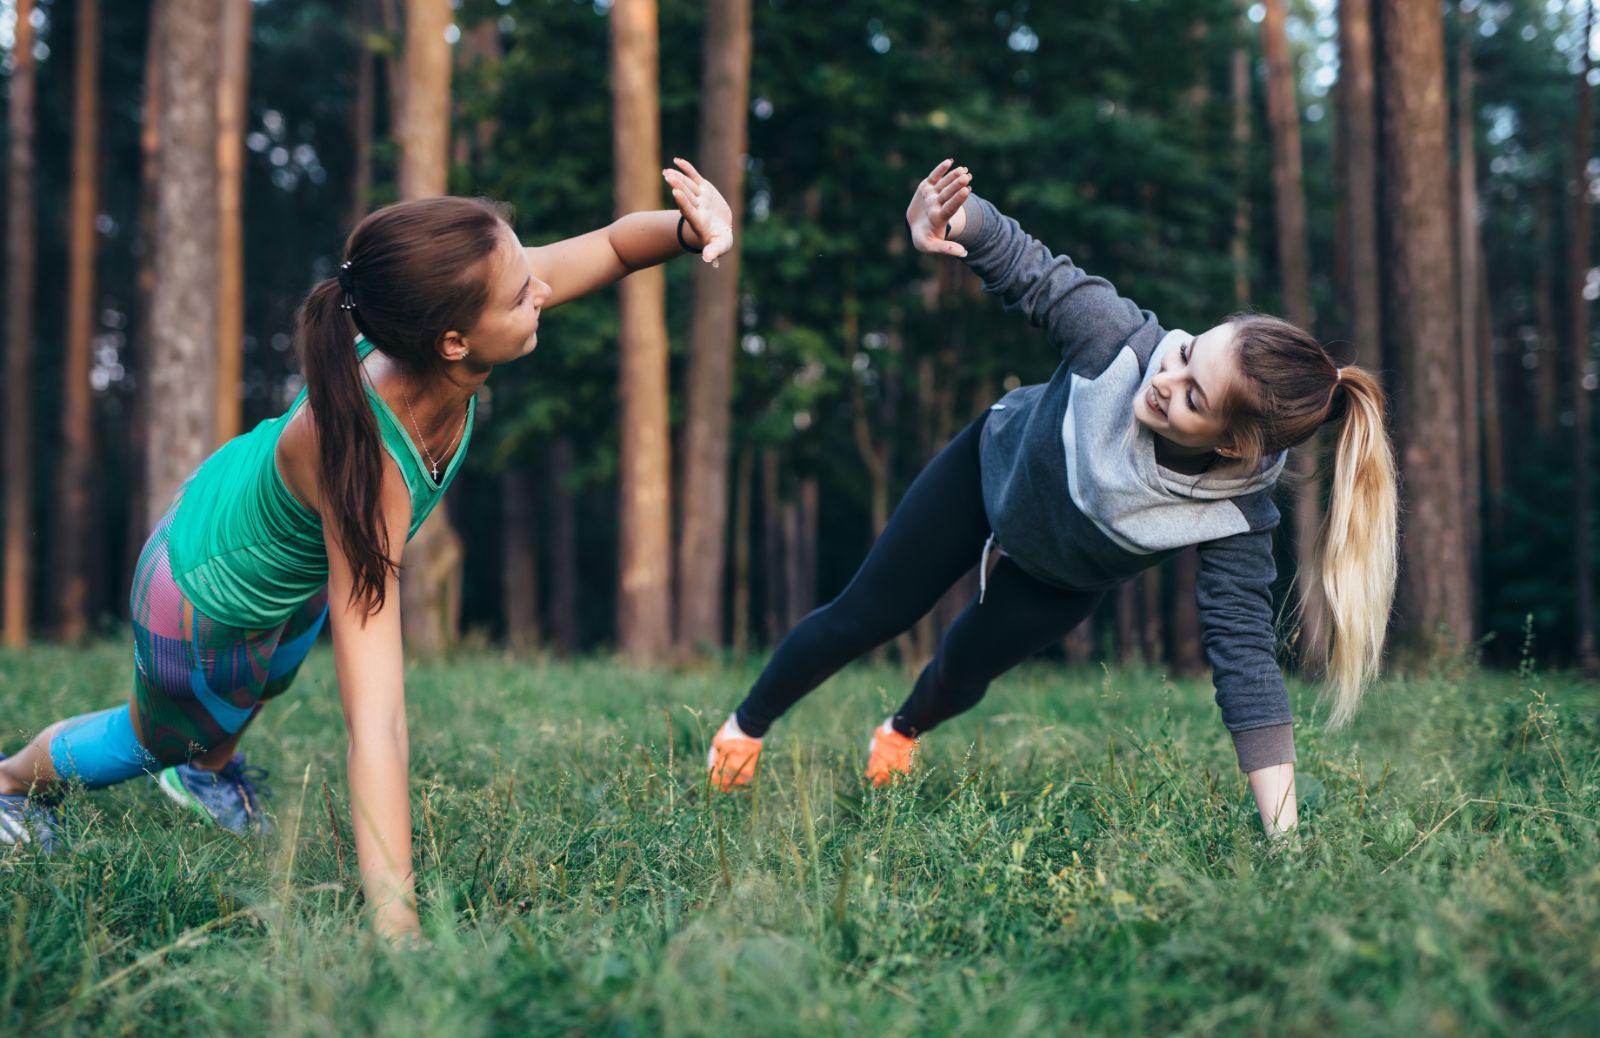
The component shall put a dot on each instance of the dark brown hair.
(1290, 388)
(417, 270)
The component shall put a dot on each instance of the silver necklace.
(423, 440)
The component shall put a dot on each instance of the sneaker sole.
(168, 781)
(13, 832)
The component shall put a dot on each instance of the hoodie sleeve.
(1234, 592)
(1082, 314)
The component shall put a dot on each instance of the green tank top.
(244, 549)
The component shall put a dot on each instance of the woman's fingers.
(939, 170)
(688, 167)
(949, 187)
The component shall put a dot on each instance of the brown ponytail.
(417, 270)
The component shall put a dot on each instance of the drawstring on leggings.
(983, 568)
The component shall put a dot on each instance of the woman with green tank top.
(303, 520)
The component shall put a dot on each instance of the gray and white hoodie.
(1075, 495)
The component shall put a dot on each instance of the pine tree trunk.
(1494, 465)
(1578, 267)
(1420, 320)
(430, 588)
(361, 117)
(142, 352)
(743, 487)
(21, 254)
(644, 594)
(1127, 621)
(1289, 198)
(1547, 376)
(562, 560)
(1150, 620)
(184, 303)
(1359, 166)
(232, 116)
(1470, 258)
(76, 474)
(1183, 636)
(702, 551)
(519, 572)
(1239, 250)
(772, 551)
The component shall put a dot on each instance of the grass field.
(1080, 854)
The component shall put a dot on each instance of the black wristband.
(681, 221)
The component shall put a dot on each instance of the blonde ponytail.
(1356, 550)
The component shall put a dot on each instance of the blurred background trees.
(693, 461)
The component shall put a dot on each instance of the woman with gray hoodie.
(1145, 441)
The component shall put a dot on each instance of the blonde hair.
(1291, 389)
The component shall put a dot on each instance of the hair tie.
(349, 302)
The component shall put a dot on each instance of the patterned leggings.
(197, 682)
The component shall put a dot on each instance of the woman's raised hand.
(703, 207)
(934, 205)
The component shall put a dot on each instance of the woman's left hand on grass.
(703, 206)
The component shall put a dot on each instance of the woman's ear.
(453, 346)
(1229, 452)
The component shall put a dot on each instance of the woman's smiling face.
(1184, 402)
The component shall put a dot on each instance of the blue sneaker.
(26, 820)
(230, 797)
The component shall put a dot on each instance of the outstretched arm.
(369, 661)
(1083, 315)
(577, 266)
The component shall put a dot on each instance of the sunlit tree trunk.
(21, 254)
(561, 563)
(743, 487)
(1470, 258)
(1289, 206)
(725, 92)
(644, 594)
(1359, 166)
(519, 573)
(1420, 320)
(181, 369)
(430, 592)
(74, 477)
(232, 115)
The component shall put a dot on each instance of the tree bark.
(76, 474)
(361, 116)
(644, 594)
(562, 561)
(1546, 385)
(232, 117)
(143, 347)
(1239, 250)
(184, 302)
(1494, 465)
(1420, 321)
(1127, 621)
(21, 254)
(1183, 636)
(725, 92)
(1150, 619)
(519, 572)
(744, 485)
(430, 591)
(1359, 165)
(1578, 269)
(773, 550)
(1289, 198)
(1470, 258)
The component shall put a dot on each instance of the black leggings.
(935, 535)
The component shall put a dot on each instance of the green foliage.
(1078, 855)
